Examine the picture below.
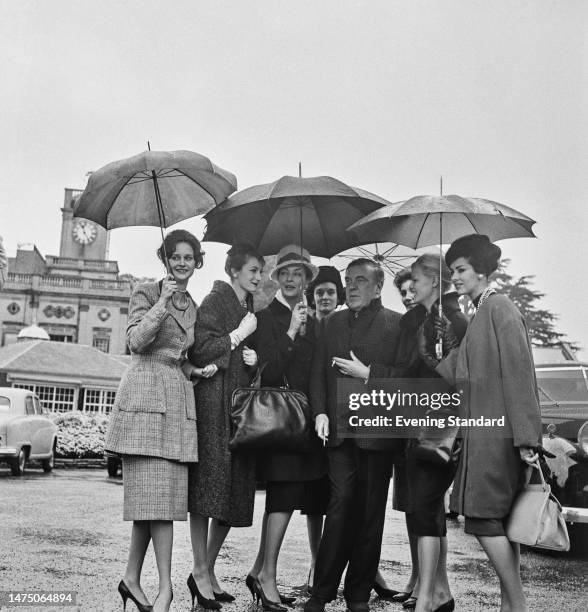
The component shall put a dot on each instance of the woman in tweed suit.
(153, 423)
(222, 484)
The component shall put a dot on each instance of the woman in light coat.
(494, 365)
(153, 423)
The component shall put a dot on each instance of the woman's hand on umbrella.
(299, 315)
(528, 454)
(168, 286)
(249, 357)
(352, 367)
(247, 326)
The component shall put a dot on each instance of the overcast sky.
(385, 95)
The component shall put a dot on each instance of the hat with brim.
(294, 255)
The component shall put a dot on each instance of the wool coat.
(222, 484)
(154, 412)
(494, 368)
(291, 360)
(372, 335)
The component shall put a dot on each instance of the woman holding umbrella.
(153, 422)
(222, 484)
(286, 337)
(496, 364)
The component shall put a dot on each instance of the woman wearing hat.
(495, 362)
(285, 339)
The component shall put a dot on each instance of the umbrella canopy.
(157, 188)
(426, 220)
(313, 212)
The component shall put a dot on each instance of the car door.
(43, 429)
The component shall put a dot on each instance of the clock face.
(84, 231)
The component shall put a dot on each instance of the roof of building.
(551, 354)
(45, 359)
(33, 332)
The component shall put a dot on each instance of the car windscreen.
(565, 385)
(4, 405)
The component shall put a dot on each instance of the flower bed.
(80, 434)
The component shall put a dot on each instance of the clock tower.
(80, 238)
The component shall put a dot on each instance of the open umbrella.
(156, 188)
(389, 256)
(313, 212)
(425, 220)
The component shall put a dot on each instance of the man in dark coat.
(358, 342)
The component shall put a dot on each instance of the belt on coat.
(163, 359)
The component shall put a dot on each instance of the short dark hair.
(483, 256)
(374, 265)
(239, 254)
(326, 274)
(173, 238)
(401, 277)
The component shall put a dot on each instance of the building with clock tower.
(76, 296)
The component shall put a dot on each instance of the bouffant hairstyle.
(483, 256)
(429, 263)
(168, 246)
(326, 274)
(374, 265)
(402, 277)
(239, 254)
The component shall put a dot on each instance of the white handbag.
(536, 517)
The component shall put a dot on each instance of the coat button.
(182, 338)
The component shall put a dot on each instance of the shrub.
(80, 434)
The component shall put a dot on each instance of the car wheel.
(112, 466)
(49, 464)
(17, 466)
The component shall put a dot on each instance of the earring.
(480, 276)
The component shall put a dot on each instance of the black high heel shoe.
(249, 581)
(223, 596)
(402, 596)
(209, 604)
(448, 606)
(125, 593)
(384, 592)
(268, 605)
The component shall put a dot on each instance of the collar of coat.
(369, 311)
(226, 292)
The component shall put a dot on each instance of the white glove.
(247, 326)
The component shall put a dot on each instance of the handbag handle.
(535, 465)
(256, 382)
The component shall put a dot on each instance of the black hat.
(326, 274)
(483, 255)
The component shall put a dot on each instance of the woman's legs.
(277, 523)
(140, 538)
(428, 551)
(314, 525)
(413, 541)
(216, 538)
(162, 533)
(199, 538)
(258, 563)
(505, 559)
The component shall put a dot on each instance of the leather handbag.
(536, 516)
(274, 418)
(437, 445)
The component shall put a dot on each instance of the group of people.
(171, 421)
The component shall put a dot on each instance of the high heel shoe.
(209, 604)
(223, 596)
(268, 605)
(402, 596)
(125, 593)
(448, 606)
(249, 581)
(384, 592)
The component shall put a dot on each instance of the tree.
(135, 280)
(540, 322)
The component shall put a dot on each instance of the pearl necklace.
(485, 295)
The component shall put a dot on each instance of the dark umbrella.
(156, 188)
(314, 212)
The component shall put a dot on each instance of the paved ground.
(64, 531)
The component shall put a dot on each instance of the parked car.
(563, 392)
(26, 432)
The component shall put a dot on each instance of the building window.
(53, 399)
(61, 337)
(101, 339)
(98, 400)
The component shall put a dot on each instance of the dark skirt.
(427, 485)
(485, 526)
(310, 497)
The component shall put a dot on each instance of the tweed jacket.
(154, 413)
(494, 366)
(372, 334)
